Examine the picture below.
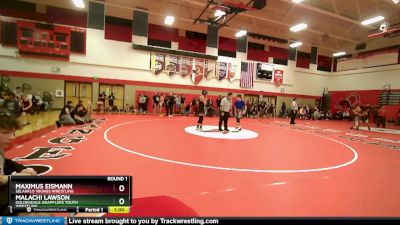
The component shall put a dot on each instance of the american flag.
(246, 75)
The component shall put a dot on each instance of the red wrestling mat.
(309, 169)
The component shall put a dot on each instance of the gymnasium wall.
(39, 86)
(372, 59)
(288, 102)
(366, 79)
(111, 59)
(117, 60)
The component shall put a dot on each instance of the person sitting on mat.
(75, 114)
(316, 114)
(186, 110)
(84, 113)
(65, 115)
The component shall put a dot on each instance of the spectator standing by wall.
(294, 110)
(142, 103)
(161, 104)
(111, 99)
(156, 103)
(177, 104)
(183, 99)
(169, 105)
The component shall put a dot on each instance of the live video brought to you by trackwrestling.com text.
(140, 221)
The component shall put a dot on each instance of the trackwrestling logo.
(25, 220)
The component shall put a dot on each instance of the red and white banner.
(198, 70)
(278, 77)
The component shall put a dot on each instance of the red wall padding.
(163, 33)
(279, 53)
(324, 61)
(67, 16)
(118, 32)
(303, 62)
(227, 44)
(257, 55)
(193, 45)
(53, 15)
(23, 14)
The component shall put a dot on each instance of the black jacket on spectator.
(12, 106)
(69, 107)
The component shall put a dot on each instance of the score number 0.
(121, 188)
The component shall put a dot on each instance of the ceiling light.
(297, 1)
(396, 1)
(79, 3)
(169, 20)
(372, 20)
(296, 44)
(219, 13)
(337, 54)
(298, 27)
(241, 33)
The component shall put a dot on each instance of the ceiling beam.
(358, 10)
(288, 13)
(335, 6)
(289, 25)
(202, 4)
(276, 22)
(325, 12)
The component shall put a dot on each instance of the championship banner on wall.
(222, 70)
(157, 62)
(198, 71)
(231, 71)
(278, 77)
(210, 69)
(172, 64)
(186, 66)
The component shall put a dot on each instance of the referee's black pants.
(293, 116)
(223, 116)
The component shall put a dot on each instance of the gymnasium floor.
(38, 122)
(269, 169)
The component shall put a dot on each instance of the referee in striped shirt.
(225, 108)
